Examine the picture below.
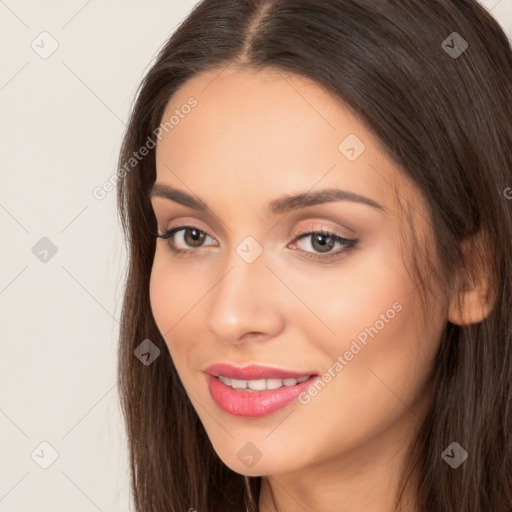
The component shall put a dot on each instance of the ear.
(472, 297)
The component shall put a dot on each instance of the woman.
(318, 217)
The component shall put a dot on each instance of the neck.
(366, 479)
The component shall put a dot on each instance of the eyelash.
(346, 242)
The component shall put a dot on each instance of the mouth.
(253, 372)
(263, 391)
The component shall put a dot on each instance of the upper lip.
(253, 372)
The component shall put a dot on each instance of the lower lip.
(252, 404)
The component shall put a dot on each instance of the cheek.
(177, 294)
(174, 291)
(168, 294)
(161, 295)
(352, 297)
(373, 310)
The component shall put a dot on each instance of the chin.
(247, 459)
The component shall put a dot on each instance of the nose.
(246, 303)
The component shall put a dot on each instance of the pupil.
(196, 236)
(322, 240)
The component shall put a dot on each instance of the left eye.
(323, 241)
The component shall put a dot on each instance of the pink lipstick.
(254, 390)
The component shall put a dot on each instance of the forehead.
(265, 132)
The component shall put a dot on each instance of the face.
(316, 289)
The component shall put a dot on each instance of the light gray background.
(61, 122)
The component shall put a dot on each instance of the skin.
(255, 136)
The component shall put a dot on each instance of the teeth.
(226, 380)
(238, 384)
(257, 385)
(274, 383)
(261, 384)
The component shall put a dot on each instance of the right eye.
(189, 238)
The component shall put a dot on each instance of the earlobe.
(473, 299)
(472, 307)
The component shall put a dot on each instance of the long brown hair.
(442, 109)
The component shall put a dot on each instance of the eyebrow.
(277, 206)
